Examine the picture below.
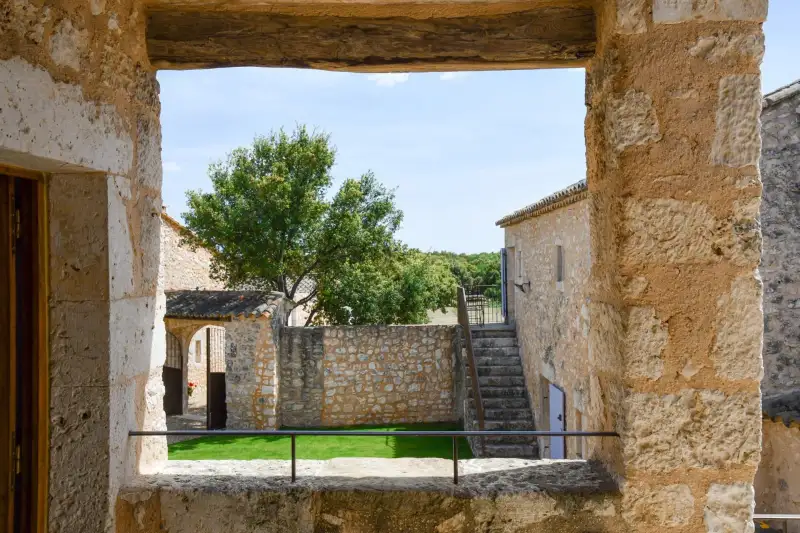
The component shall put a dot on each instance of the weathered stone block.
(78, 220)
(667, 506)
(646, 338)
(721, 45)
(691, 429)
(120, 245)
(737, 140)
(68, 129)
(668, 231)
(631, 16)
(79, 347)
(739, 330)
(79, 459)
(729, 508)
(631, 120)
(68, 44)
(673, 11)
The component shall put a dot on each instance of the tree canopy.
(273, 221)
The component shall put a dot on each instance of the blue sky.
(462, 149)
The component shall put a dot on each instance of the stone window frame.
(198, 351)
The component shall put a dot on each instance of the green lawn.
(309, 447)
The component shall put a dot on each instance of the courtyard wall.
(345, 375)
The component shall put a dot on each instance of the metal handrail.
(785, 518)
(463, 319)
(293, 433)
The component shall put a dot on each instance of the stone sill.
(477, 477)
(361, 495)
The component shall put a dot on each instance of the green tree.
(271, 224)
(397, 290)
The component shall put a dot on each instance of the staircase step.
(500, 370)
(502, 403)
(504, 360)
(502, 392)
(496, 342)
(517, 451)
(501, 381)
(508, 351)
(507, 414)
(508, 425)
(493, 332)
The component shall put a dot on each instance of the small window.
(198, 351)
(519, 264)
(559, 263)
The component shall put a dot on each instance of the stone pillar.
(673, 142)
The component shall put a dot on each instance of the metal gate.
(217, 411)
(173, 377)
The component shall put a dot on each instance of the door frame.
(41, 441)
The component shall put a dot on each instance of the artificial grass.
(314, 447)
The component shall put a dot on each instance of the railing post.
(294, 461)
(455, 460)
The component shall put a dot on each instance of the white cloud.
(389, 80)
(171, 166)
(449, 76)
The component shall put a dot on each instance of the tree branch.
(311, 316)
(308, 297)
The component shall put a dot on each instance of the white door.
(557, 422)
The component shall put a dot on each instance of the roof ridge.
(781, 93)
(573, 193)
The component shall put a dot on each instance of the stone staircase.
(502, 385)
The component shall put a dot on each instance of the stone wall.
(80, 101)
(302, 390)
(673, 144)
(251, 384)
(184, 268)
(777, 484)
(780, 224)
(367, 495)
(551, 317)
(334, 376)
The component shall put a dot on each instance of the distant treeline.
(472, 269)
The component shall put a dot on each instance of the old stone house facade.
(673, 142)
(549, 255)
(547, 246)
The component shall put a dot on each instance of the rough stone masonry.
(335, 376)
(673, 141)
(673, 144)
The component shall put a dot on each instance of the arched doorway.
(194, 375)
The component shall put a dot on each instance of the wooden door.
(217, 409)
(23, 357)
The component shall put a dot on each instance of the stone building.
(672, 140)
(547, 246)
(549, 254)
(187, 269)
(778, 478)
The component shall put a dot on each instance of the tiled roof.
(221, 304)
(779, 95)
(785, 406)
(573, 193)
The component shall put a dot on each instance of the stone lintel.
(544, 37)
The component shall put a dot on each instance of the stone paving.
(194, 419)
